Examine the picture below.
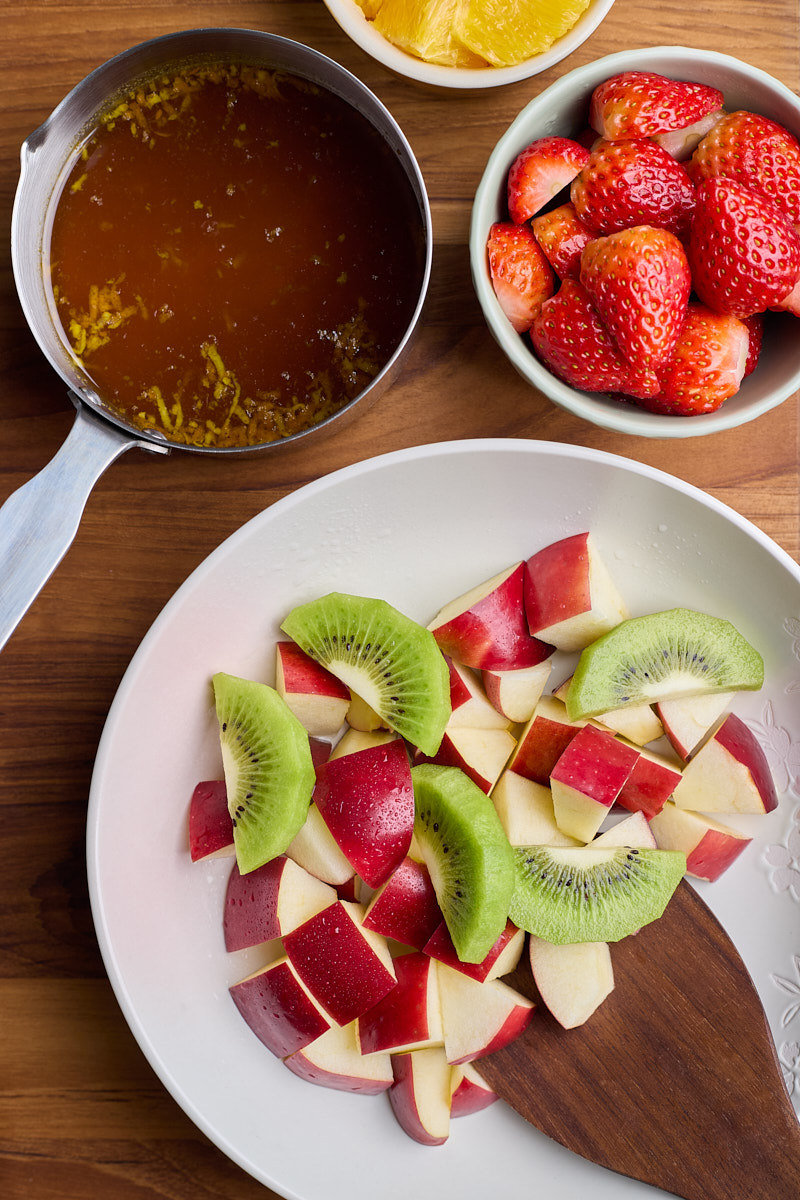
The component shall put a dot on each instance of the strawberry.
(562, 236)
(755, 151)
(521, 275)
(632, 182)
(539, 172)
(755, 327)
(639, 282)
(743, 251)
(571, 340)
(638, 104)
(707, 366)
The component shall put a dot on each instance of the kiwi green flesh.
(467, 854)
(584, 895)
(269, 773)
(385, 657)
(662, 656)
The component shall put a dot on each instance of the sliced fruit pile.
(473, 33)
(642, 257)
(415, 812)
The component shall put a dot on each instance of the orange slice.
(506, 32)
(424, 28)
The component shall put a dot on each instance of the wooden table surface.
(81, 1113)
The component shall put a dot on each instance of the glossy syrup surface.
(235, 255)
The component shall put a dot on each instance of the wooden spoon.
(674, 1080)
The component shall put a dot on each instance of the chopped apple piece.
(353, 740)
(405, 907)
(480, 753)
(315, 849)
(469, 1091)
(709, 846)
(570, 596)
(268, 902)
(729, 773)
(486, 627)
(587, 779)
(543, 740)
(525, 809)
(515, 694)
(346, 968)
(420, 1095)
(479, 1017)
(650, 784)
(633, 831)
(334, 1060)
(362, 716)
(502, 958)
(469, 702)
(210, 825)
(639, 723)
(572, 979)
(687, 721)
(409, 1017)
(279, 1009)
(367, 801)
(315, 696)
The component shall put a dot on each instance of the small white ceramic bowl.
(562, 109)
(351, 19)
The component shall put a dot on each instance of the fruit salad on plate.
(416, 811)
(643, 255)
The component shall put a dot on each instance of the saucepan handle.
(39, 521)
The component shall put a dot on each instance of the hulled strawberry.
(521, 275)
(642, 103)
(632, 182)
(639, 282)
(562, 235)
(744, 253)
(707, 366)
(571, 340)
(757, 152)
(539, 172)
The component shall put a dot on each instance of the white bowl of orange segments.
(468, 44)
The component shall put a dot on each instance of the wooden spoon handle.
(674, 1080)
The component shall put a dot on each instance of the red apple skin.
(515, 1024)
(493, 634)
(556, 582)
(251, 905)
(713, 854)
(470, 1095)
(402, 1017)
(595, 763)
(335, 961)
(405, 908)
(648, 787)
(278, 1010)
(542, 743)
(304, 676)
(367, 801)
(440, 946)
(743, 745)
(404, 1104)
(210, 825)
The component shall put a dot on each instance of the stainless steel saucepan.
(39, 521)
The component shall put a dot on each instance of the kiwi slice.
(662, 656)
(467, 854)
(385, 658)
(581, 894)
(269, 774)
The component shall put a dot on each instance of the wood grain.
(680, 1054)
(81, 1114)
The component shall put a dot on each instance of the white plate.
(415, 527)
